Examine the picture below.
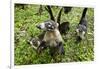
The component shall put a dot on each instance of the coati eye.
(48, 24)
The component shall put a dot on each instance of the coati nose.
(38, 26)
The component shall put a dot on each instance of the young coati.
(51, 39)
(36, 41)
(82, 27)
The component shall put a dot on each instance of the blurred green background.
(25, 21)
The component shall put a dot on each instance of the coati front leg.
(41, 47)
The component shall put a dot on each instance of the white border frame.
(5, 34)
(74, 65)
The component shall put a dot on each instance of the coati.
(62, 28)
(82, 27)
(51, 39)
(36, 41)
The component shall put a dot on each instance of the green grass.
(25, 27)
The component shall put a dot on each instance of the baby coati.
(51, 39)
(36, 41)
(82, 27)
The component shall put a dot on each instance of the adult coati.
(82, 27)
(51, 39)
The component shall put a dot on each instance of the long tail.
(48, 8)
(83, 14)
(59, 16)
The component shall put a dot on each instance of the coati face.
(81, 31)
(81, 34)
(48, 25)
(34, 42)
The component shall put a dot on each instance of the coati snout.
(48, 25)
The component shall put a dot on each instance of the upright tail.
(48, 8)
(83, 14)
(59, 16)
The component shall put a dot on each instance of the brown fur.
(52, 37)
